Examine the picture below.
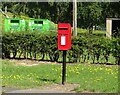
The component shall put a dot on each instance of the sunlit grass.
(83, 32)
(94, 78)
(80, 30)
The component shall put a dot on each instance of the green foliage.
(87, 48)
(89, 13)
(27, 44)
(116, 49)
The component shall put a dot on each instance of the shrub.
(116, 49)
(44, 46)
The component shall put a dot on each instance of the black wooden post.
(64, 67)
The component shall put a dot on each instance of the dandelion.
(98, 79)
(14, 77)
(77, 72)
(90, 69)
(83, 68)
(36, 81)
(28, 75)
(37, 76)
(66, 74)
(45, 82)
(101, 68)
(47, 75)
(59, 76)
(108, 69)
(53, 63)
(112, 73)
(79, 64)
(95, 70)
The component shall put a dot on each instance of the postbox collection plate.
(63, 40)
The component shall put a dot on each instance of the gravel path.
(52, 88)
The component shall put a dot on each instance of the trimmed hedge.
(34, 45)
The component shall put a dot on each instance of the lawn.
(93, 78)
(95, 32)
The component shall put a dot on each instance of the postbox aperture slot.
(62, 34)
(63, 28)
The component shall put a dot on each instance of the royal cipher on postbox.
(64, 36)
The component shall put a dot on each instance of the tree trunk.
(4, 13)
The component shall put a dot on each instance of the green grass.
(94, 78)
(86, 32)
(79, 30)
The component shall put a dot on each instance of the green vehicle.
(41, 25)
(14, 25)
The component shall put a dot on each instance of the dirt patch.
(27, 62)
(59, 87)
(67, 88)
(31, 62)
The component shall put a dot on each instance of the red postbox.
(64, 36)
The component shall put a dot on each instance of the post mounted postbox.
(64, 36)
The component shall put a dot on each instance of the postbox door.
(63, 40)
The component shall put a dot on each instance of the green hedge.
(90, 48)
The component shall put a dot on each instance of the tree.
(4, 13)
(89, 14)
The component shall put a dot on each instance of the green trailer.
(14, 25)
(41, 25)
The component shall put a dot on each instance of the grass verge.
(93, 78)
